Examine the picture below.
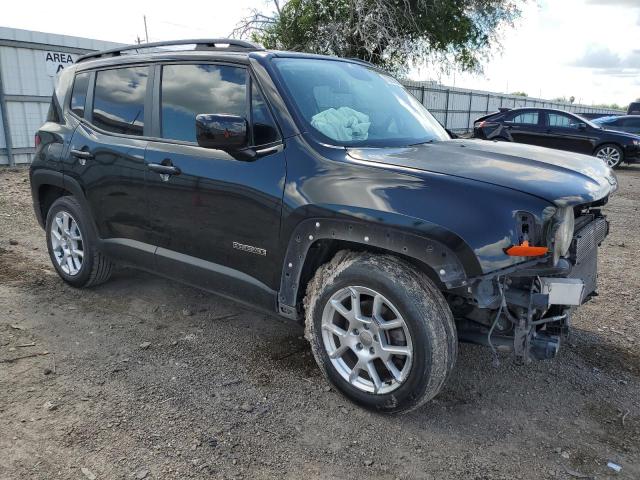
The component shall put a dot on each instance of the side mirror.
(582, 126)
(222, 132)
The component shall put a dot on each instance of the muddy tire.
(380, 331)
(73, 246)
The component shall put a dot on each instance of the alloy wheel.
(66, 243)
(367, 340)
(609, 155)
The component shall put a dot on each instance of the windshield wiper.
(420, 143)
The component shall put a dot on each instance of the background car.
(634, 108)
(593, 115)
(560, 130)
(624, 123)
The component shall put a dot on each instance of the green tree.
(520, 94)
(612, 106)
(389, 33)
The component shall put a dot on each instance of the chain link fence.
(457, 108)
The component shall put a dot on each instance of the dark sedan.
(623, 123)
(560, 130)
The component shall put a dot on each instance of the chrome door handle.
(81, 154)
(164, 169)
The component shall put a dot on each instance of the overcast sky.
(586, 48)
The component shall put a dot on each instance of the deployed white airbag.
(344, 124)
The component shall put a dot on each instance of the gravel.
(243, 389)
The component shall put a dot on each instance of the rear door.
(565, 132)
(524, 126)
(106, 157)
(217, 222)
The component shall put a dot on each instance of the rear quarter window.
(79, 93)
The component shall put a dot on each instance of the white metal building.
(29, 62)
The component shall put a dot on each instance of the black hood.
(563, 178)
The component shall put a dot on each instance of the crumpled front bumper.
(537, 301)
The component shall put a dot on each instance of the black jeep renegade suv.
(318, 188)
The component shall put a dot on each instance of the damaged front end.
(526, 309)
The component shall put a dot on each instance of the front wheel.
(611, 154)
(380, 331)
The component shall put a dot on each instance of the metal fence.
(29, 62)
(457, 108)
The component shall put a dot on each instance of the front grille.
(587, 239)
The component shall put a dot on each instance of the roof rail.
(226, 44)
(359, 60)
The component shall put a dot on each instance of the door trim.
(202, 274)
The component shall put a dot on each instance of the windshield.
(351, 105)
(588, 122)
(604, 120)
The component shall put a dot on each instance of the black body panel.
(243, 225)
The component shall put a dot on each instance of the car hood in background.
(563, 178)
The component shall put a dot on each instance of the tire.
(67, 220)
(415, 319)
(611, 154)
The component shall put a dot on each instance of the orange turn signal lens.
(524, 250)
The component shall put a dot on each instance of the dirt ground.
(148, 379)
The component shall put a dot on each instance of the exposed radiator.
(587, 239)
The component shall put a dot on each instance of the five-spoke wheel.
(367, 339)
(380, 330)
(66, 243)
(73, 246)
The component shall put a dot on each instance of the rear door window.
(118, 104)
(524, 118)
(560, 120)
(79, 93)
(189, 90)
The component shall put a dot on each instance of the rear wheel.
(611, 154)
(380, 331)
(72, 245)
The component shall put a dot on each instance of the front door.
(216, 218)
(566, 132)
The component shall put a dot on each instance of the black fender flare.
(445, 253)
(57, 179)
(39, 178)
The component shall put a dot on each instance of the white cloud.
(539, 56)
(566, 48)
(122, 20)
(622, 3)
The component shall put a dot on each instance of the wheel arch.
(315, 241)
(49, 185)
(46, 187)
